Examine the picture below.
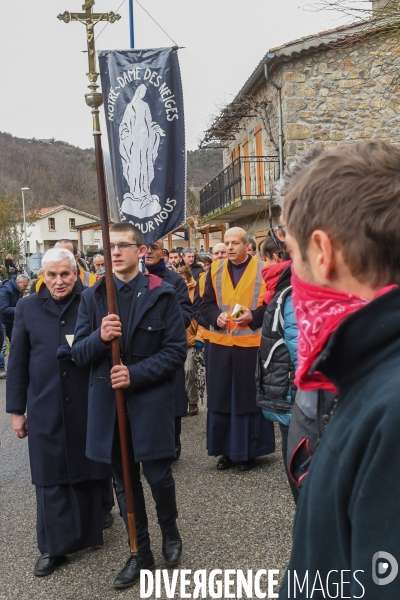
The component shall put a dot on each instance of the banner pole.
(94, 99)
(131, 24)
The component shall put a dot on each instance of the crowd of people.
(301, 332)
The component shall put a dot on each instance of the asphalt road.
(228, 520)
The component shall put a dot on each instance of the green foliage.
(11, 223)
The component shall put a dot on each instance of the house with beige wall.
(338, 86)
(58, 222)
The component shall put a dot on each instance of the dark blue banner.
(143, 106)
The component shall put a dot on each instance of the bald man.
(236, 429)
(219, 251)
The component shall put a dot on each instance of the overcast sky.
(43, 67)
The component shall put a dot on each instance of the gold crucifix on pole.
(90, 19)
(94, 99)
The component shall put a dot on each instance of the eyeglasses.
(122, 246)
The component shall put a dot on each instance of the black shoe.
(177, 452)
(46, 564)
(171, 546)
(108, 521)
(224, 463)
(130, 574)
(247, 465)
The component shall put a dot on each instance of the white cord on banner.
(158, 24)
(147, 12)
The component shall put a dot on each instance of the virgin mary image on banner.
(139, 141)
(143, 102)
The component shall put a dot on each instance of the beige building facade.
(59, 222)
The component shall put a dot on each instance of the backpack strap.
(278, 315)
(277, 343)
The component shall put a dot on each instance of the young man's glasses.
(122, 246)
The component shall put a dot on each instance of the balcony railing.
(245, 179)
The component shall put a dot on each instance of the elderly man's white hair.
(58, 255)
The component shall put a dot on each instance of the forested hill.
(57, 173)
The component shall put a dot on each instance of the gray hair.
(187, 251)
(58, 255)
(96, 256)
(22, 277)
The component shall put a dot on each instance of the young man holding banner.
(153, 349)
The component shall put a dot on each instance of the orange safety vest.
(87, 279)
(202, 283)
(249, 292)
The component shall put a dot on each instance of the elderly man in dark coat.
(155, 265)
(44, 382)
(153, 347)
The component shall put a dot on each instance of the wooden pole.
(94, 99)
(115, 350)
(207, 240)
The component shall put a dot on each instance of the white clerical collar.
(241, 263)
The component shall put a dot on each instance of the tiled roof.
(44, 212)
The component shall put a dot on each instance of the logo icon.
(381, 573)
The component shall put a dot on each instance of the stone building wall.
(329, 96)
(341, 96)
(332, 96)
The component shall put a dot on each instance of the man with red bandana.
(341, 218)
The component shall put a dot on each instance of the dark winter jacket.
(196, 269)
(185, 305)
(155, 348)
(53, 392)
(276, 360)
(9, 296)
(180, 287)
(349, 506)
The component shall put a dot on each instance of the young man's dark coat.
(53, 392)
(155, 348)
(349, 506)
(185, 305)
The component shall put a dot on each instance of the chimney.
(378, 4)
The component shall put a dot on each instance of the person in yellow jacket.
(233, 305)
(194, 334)
(88, 279)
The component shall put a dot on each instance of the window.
(71, 224)
(52, 224)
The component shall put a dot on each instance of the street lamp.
(24, 189)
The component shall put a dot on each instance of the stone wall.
(341, 96)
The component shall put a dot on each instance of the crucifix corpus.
(94, 99)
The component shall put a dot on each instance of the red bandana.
(271, 276)
(319, 311)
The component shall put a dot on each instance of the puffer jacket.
(277, 356)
